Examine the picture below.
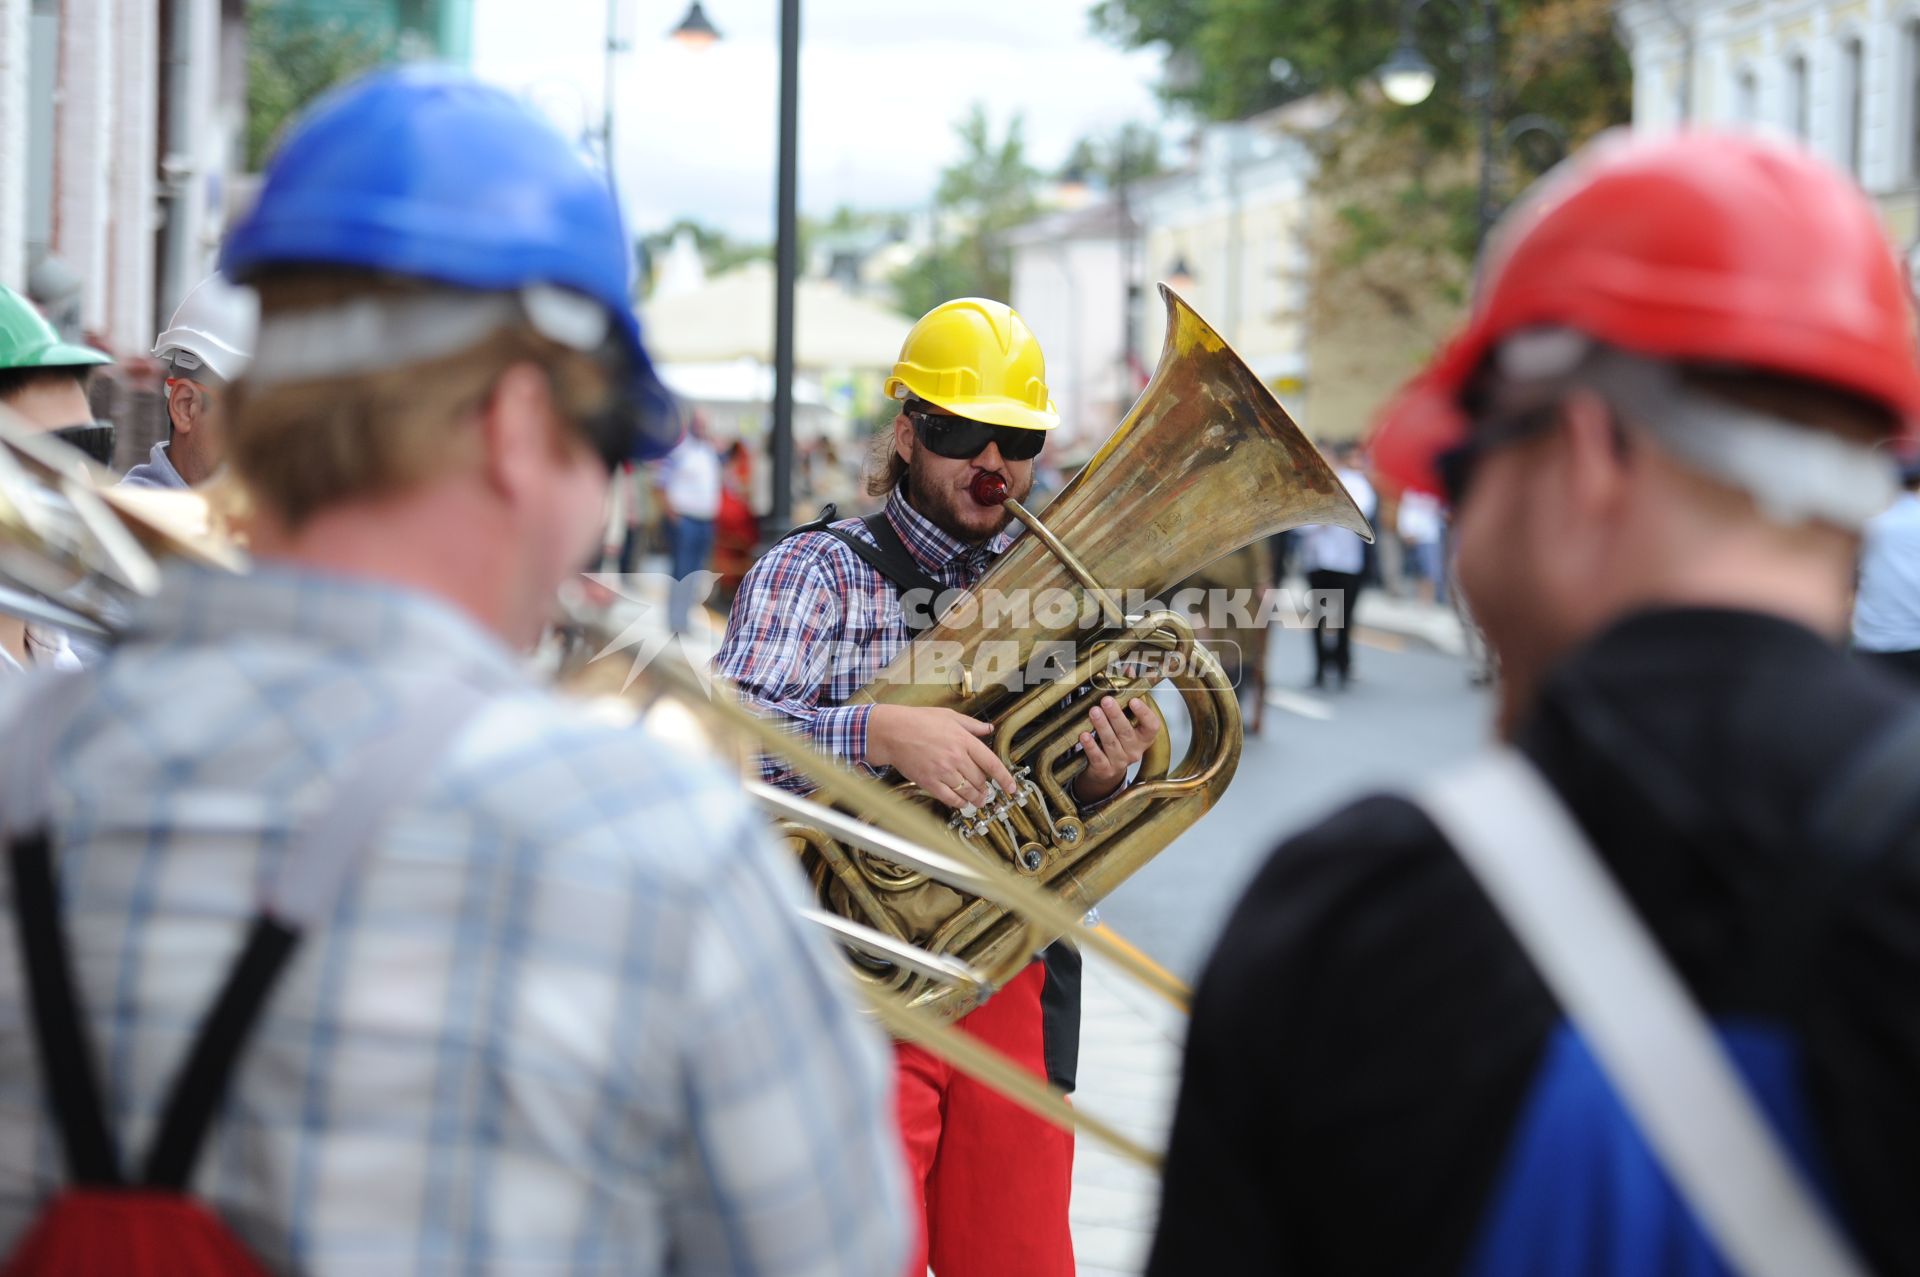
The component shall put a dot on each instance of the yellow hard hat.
(977, 358)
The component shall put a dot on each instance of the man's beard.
(943, 507)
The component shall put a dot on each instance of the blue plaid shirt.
(813, 622)
(565, 1022)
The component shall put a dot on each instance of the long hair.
(884, 468)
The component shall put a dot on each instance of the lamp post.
(1407, 79)
(1131, 369)
(786, 258)
(786, 255)
(694, 32)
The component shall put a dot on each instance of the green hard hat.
(27, 340)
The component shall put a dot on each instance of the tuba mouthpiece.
(988, 488)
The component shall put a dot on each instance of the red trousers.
(993, 1179)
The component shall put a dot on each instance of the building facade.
(1228, 232)
(119, 125)
(122, 142)
(1841, 75)
(1070, 283)
(1230, 235)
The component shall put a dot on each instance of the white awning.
(730, 318)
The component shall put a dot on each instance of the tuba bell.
(1205, 462)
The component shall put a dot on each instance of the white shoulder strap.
(1590, 947)
(329, 852)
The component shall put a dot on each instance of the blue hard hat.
(427, 172)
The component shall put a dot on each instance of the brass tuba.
(1206, 461)
(74, 554)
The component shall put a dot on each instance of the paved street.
(1409, 712)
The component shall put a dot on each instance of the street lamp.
(786, 267)
(1075, 185)
(694, 32)
(1550, 150)
(1407, 78)
(697, 29)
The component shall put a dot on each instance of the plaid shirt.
(565, 1022)
(813, 622)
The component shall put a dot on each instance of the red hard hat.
(1698, 247)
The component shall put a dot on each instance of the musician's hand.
(1119, 739)
(938, 749)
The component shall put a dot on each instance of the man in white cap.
(206, 345)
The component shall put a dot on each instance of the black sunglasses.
(1456, 465)
(963, 439)
(95, 438)
(614, 428)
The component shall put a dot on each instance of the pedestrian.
(809, 628)
(1335, 563)
(43, 382)
(735, 530)
(1419, 525)
(205, 348)
(44, 378)
(1661, 433)
(831, 481)
(627, 508)
(690, 492)
(563, 1016)
(1886, 602)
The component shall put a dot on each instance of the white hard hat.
(213, 329)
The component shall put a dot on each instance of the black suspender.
(887, 554)
(315, 871)
(67, 1066)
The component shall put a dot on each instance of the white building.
(1070, 273)
(119, 122)
(1228, 232)
(1843, 76)
(1230, 235)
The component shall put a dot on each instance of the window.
(1797, 95)
(1853, 99)
(1746, 95)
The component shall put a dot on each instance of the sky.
(882, 83)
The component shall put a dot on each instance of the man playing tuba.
(813, 622)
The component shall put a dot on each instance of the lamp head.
(695, 30)
(1407, 78)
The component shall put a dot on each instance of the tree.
(1083, 161)
(1400, 182)
(1232, 58)
(292, 58)
(984, 194)
(1128, 155)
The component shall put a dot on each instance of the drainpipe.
(177, 163)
